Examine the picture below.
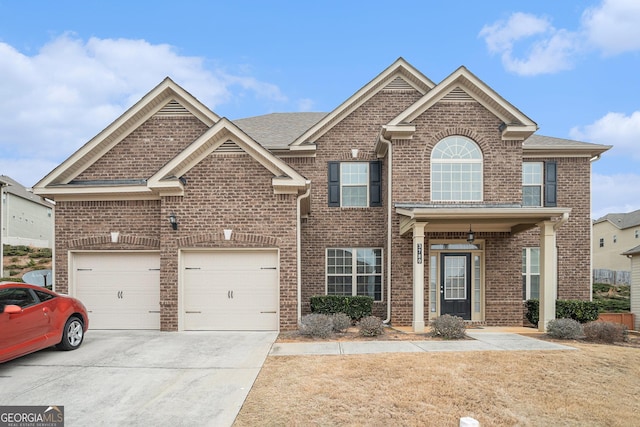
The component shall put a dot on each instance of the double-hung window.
(532, 189)
(354, 271)
(456, 170)
(539, 184)
(354, 184)
(530, 273)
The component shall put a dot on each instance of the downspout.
(298, 248)
(389, 228)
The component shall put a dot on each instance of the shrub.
(448, 327)
(41, 253)
(370, 326)
(355, 307)
(533, 307)
(341, 322)
(607, 332)
(582, 311)
(565, 329)
(16, 250)
(316, 325)
(11, 279)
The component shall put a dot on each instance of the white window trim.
(479, 161)
(354, 270)
(528, 273)
(343, 185)
(540, 185)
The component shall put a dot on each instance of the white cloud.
(550, 51)
(546, 56)
(59, 98)
(501, 36)
(612, 194)
(617, 129)
(613, 26)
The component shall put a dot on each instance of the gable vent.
(457, 94)
(398, 84)
(229, 147)
(173, 108)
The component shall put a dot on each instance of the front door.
(455, 284)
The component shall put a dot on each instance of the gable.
(225, 137)
(149, 147)
(400, 76)
(166, 98)
(463, 86)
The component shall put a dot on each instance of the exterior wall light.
(471, 236)
(173, 220)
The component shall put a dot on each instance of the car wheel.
(72, 335)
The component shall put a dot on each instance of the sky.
(69, 68)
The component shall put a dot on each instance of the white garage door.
(230, 290)
(120, 290)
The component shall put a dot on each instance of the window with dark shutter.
(334, 183)
(354, 184)
(550, 184)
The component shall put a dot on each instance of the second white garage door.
(230, 290)
(121, 290)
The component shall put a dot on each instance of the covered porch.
(458, 295)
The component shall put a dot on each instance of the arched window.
(456, 170)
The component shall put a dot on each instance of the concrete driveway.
(120, 378)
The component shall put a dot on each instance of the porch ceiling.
(483, 218)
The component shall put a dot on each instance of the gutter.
(389, 228)
(298, 248)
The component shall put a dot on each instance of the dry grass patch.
(597, 385)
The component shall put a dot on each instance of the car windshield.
(21, 297)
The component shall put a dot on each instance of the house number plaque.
(419, 253)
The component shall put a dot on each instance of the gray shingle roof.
(17, 189)
(622, 220)
(278, 130)
(541, 141)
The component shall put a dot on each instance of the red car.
(33, 318)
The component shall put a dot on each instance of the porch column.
(548, 276)
(418, 277)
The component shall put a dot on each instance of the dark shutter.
(334, 183)
(375, 184)
(550, 184)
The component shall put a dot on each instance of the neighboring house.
(634, 257)
(27, 219)
(613, 234)
(430, 198)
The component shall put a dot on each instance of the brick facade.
(231, 189)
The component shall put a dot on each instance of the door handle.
(231, 294)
